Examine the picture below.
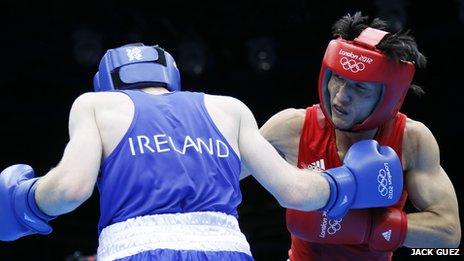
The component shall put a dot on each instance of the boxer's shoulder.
(283, 131)
(112, 112)
(418, 140)
(287, 122)
(291, 115)
(103, 100)
(228, 104)
(223, 99)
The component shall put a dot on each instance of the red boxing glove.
(316, 227)
(383, 229)
(389, 227)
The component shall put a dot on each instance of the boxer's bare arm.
(431, 192)
(283, 131)
(292, 187)
(72, 181)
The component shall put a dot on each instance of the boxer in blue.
(167, 165)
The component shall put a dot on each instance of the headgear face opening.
(136, 66)
(360, 61)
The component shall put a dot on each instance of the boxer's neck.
(155, 90)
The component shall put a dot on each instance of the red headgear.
(360, 61)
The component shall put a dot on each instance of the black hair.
(399, 46)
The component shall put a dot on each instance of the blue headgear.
(136, 66)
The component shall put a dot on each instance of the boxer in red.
(365, 75)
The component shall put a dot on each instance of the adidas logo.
(317, 165)
(387, 234)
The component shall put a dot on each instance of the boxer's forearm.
(427, 229)
(55, 195)
(308, 191)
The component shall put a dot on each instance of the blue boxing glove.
(371, 176)
(19, 214)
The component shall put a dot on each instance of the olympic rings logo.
(352, 65)
(134, 54)
(334, 226)
(382, 179)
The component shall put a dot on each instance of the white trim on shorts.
(200, 231)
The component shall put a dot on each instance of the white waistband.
(201, 231)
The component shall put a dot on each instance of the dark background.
(266, 53)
